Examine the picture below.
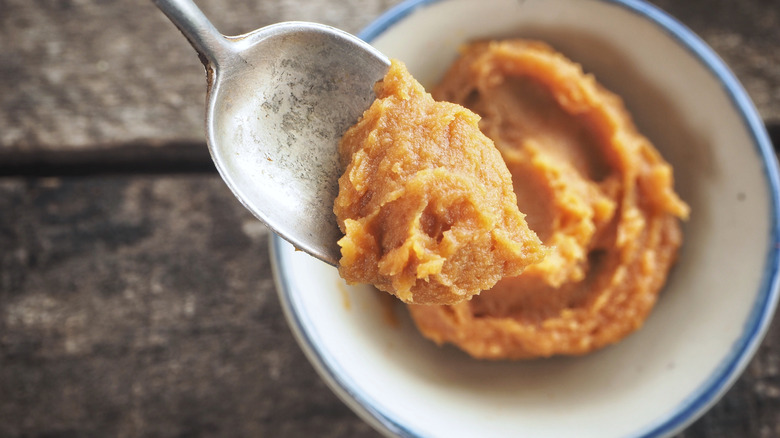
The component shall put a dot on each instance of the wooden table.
(136, 296)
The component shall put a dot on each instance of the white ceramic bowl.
(711, 316)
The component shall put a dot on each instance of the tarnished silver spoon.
(279, 99)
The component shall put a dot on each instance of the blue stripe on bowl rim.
(725, 374)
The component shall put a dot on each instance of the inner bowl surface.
(712, 313)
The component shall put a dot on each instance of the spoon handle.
(204, 37)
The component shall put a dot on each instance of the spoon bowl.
(278, 101)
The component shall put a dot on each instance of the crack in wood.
(140, 159)
(124, 159)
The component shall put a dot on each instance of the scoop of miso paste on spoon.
(426, 201)
(280, 98)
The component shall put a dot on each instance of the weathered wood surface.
(143, 304)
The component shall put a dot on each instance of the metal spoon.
(279, 99)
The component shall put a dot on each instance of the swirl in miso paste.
(596, 192)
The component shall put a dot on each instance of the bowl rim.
(727, 371)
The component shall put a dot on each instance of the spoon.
(278, 101)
